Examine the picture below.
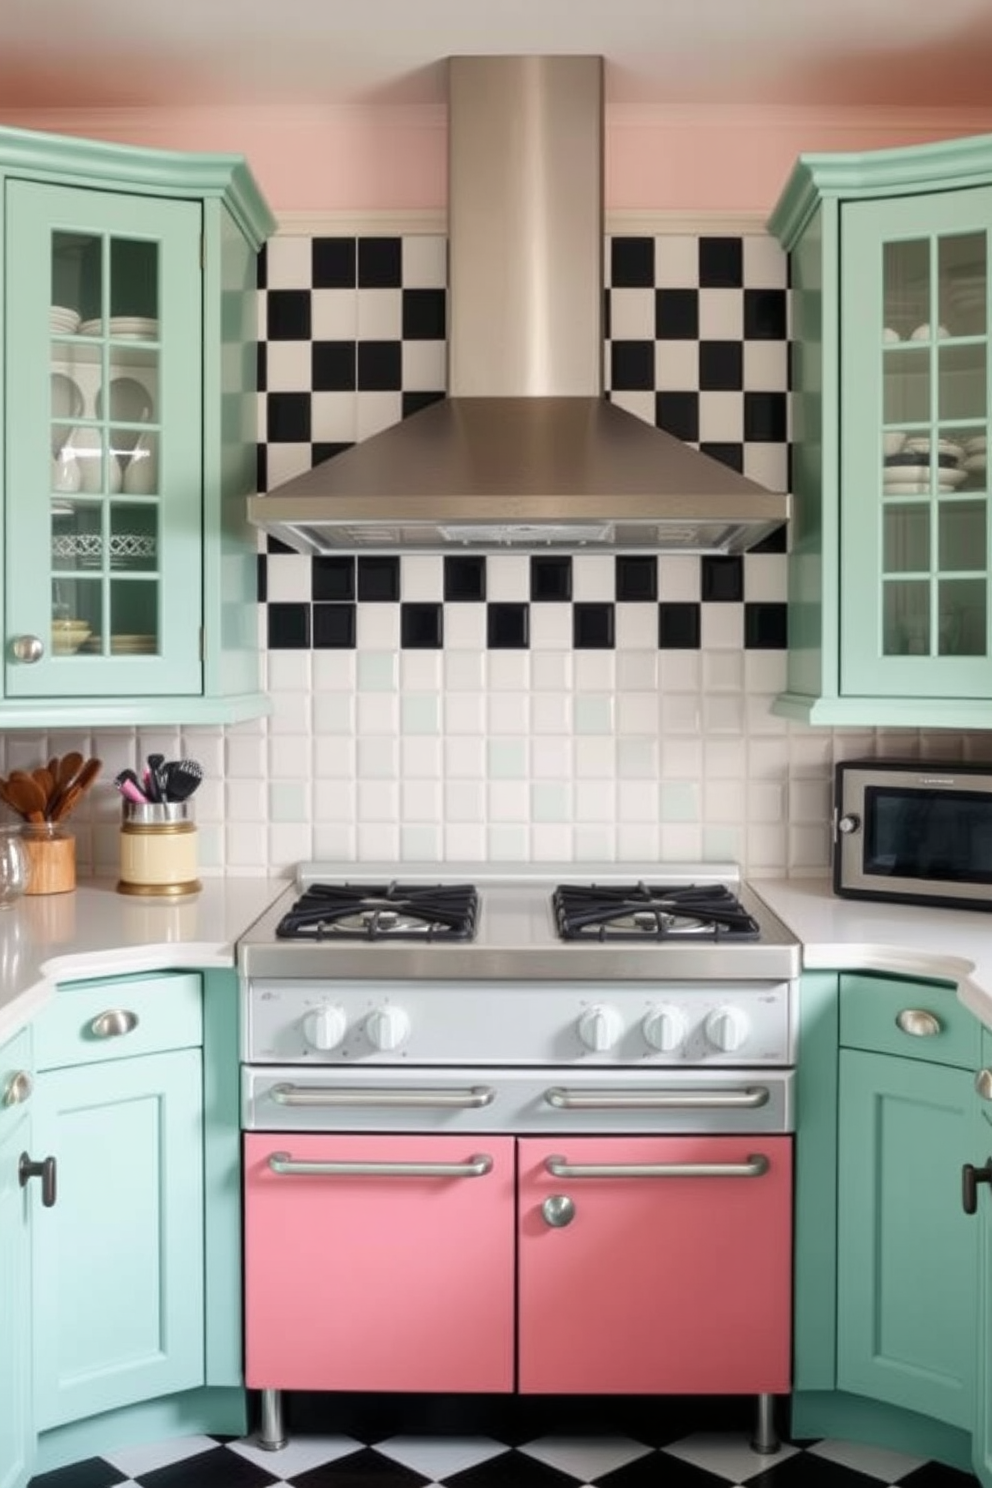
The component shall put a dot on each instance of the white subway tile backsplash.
(377, 627)
(377, 758)
(636, 713)
(421, 758)
(420, 713)
(378, 799)
(594, 671)
(377, 842)
(464, 843)
(508, 578)
(637, 758)
(464, 801)
(507, 671)
(421, 800)
(378, 713)
(465, 759)
(506, 759)
(594, 713)
(508, 713)
(334, 315)
(551, 843)
(507, 844)
(420, 843)
(593, 578)
(550, 629)
(595, 757)
(551, 713)
(551, 757)
(550, 801)
(636, 627)
(423, 577)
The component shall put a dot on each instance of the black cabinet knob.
(971, 1177)
(45, 1170)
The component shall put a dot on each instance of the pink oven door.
(373, 1278)
(663, 1284)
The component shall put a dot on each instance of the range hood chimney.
(525, 451)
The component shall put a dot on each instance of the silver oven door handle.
(476, 1167)
(466, 1099)
(754, 1166)
(651, 1100)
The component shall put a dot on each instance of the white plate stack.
(908, 473)
(62, 321)
(123, 328)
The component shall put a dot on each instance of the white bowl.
(893, 441)
(922, 333)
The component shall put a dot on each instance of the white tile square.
(422, 577)
(594, 758)
(551, 842)
(728, 1455)
(723, 713)
(877, 1462)
(810, 801)
(464, 671)
(723, 671)
(809, 848)
(637, 671)
(766, 801)
(638, 402)
(767, 848)
(766, 577)
(289, 263)
(464, 713)
(507, 844)
(551, 713)
(376, 411)
(637, 758)
(594, 671)
(676, 366)
(723, 801)
(464, 801)
(768, 464)
(376, 760)
(637, 713)
(639, 842)
(551, 757)
(421, 671)
(593, 577)
(465, 627)
(331, 803)
(632, 314)
(721, 315)
(287, 367)
(377, 627)
(334, 315)
(680, 842)
(149, 1458)
(593, 713)
(550, 628)
(425, 260)
(299, 1456)
(681, 758)
(420, 801)
(721, 417)
(765, 262)
(464, 843)
(508, 577)
(439, 1457)
(676, 260)
(636, 628)
(420, 713)
(551, 671)
(378, 801)
(679, 578)
(681, 713)
(680, 671)
(766, 366)
(767, 759)
(292, 716)
(288, 577)
(508, 671)
(334, 418)
(289, 757)
(550, 801)
(420, 758)
(245, 800)
(334, 671)
(585, 1458)
(507, 801)
(464, 759)
(721, 626)
(283, 461)
(593, 803)
(506, 759)
(425, 366)
(335, 842)
(333, 713)
(508, 713)
(244, 757)
(377, 842)
(725, 759)
(377, 713)
(380, 314)
(289, 671)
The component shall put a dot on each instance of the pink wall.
(392, 158)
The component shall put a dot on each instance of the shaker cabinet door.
(104, 441)
(118, 1282)
(16, 1138)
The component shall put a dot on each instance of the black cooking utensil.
(154, 781)
(180, 779)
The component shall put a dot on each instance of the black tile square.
(722, 578)
(678, 626)
(287, 418)
(727, 453)
(806, 1470)
(607, 316)
(632, 263)
(424, 315)
(775, 542)
(464, 578)
(287, 314)
(332, 578)
(321, 452)
(92, 1473)
(365, 1468)
(380, 263)
(380, 366)
(507, 627)
(676, 314)
(379, 578)
(593, 627)
(261, 578)
(261, 366)
(637, 577)
(936, 1475)
(631, 365)
(765, 417)
(721, 366)
(262, 267)
(413, 402)
(766, 626)
(333, 366)
(421, 627)
(550, 577)
(218, 1468)
(765, 314)
(333, 263)
(659, 1470)
(678, 414)
(334, 627)
(721, 263)
(511, 1469)
(288, 625)
(261, 467)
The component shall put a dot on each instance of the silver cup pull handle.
(918, 1022)
(17, 1089)
(114, 1023)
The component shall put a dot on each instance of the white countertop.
(94, 931)
(837, 934)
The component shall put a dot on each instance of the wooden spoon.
(46, 780)
(26, 796)
(69, 766)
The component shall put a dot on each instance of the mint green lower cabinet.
(16, 1425)
(118, 1274)
(907, 1254)
(982, 1155)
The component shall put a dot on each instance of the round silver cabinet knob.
(27, 648)
(558, 1211)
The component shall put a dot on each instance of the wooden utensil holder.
(51, 853)
(158, 849)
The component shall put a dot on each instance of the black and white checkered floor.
(700, 1459)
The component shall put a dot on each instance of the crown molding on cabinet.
(633, 223)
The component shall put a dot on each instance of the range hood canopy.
(525, 451)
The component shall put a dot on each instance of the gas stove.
(454, 922)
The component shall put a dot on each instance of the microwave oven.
(915, 831)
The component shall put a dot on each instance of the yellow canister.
(158, 849)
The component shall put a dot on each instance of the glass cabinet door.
(104, 434)
(915, 422)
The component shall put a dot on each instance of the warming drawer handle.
(470, 1099)
(755, 1166)
(476, 1167)
(649, 1100)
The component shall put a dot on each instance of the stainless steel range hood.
(525, 450)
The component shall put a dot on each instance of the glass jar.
(15, 867)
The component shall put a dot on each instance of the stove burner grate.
(648, 911)
(395, 911)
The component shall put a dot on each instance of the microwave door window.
(920, 834)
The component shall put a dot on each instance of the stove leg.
(271, 1435)
(765, 1439)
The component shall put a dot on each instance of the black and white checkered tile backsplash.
(352, 338)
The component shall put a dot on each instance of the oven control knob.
(726, 1028)
(325, 1027)
(600, 1027)
(387, 1028)
(665, 1028)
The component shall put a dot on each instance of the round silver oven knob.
(726, 1028)
(387, 1028)
(849, 823)
(600, 1028)
(665, 1028)
(325, 1027)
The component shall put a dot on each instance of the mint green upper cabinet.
(129, 331)
(16, 1424)
(890, 611)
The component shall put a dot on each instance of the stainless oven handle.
(647, 1100)
(471, 1099)
(476, 1167)
(754, 1167)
